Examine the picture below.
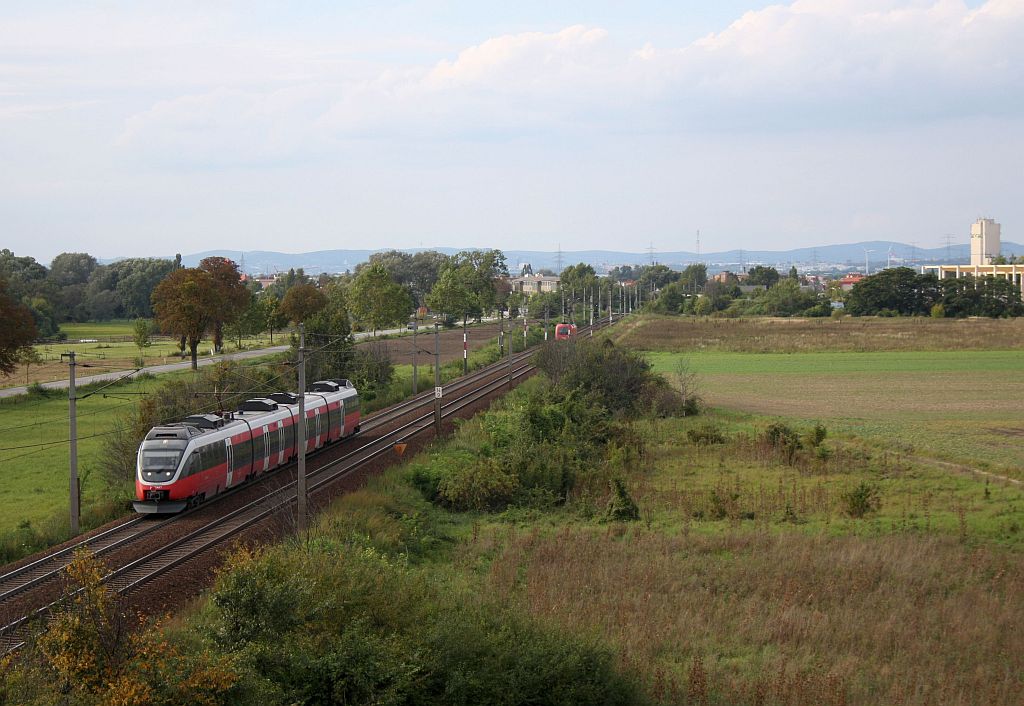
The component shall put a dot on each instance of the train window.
(243, 455)
(158, 460)
(193, 464)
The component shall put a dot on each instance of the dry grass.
(761, 618)
(776, 335)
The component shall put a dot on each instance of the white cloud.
(809, 63)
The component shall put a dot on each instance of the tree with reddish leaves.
(232, 296)
(17, 330)
(302, 301)
(184, 303)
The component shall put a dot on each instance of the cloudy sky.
(139, 128)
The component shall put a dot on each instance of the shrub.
(862, 500)
(706, 434)
(257, 598)
(621, 506)
(484, 485)
(817, 435)
(782, 439)
(36, 389)
(938, 311)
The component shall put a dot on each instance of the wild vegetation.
(577, 544)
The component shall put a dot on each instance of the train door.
(341, 410)
(266, 448)
(230, 456)
(281, 447)
(316, 423)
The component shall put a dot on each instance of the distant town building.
(535, 284)
(986, 259)
(846, 283)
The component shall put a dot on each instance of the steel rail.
(51, 565)
(9, 632)
(371, 451)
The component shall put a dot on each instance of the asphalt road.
(183, 365)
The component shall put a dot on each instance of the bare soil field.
(797, 335)
(401, 348)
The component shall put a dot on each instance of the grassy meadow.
(34, 462)
(105, 351)
(943, 389)
(728, 558)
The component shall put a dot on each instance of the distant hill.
(846, 255)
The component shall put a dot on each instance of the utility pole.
(72, 400)
(545, 323)
(511, 340)
(465, 348)
(415, 353)
(300, 481)
(437, 381)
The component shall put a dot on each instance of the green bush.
(862, 500)
(621, 506)
(706, 434)
(484, 485)
(817, 435)
(257, 598)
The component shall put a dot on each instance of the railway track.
(278, 502)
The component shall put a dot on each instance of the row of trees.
(211, 299)
(902, 291)
(77, 288)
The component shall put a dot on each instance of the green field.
(103, 355)
(34, 487)
(960, 406)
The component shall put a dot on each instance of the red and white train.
(185, 463)
(563, 332)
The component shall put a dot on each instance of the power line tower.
(559, 261)
(949, 244)
(650, 253)
(698, 243)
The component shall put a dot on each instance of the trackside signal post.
(415, 353)
(300, 481)
(73, 470)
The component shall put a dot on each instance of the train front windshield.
(158, 460)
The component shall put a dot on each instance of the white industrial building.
(985, 249)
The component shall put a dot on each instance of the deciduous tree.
(183, 303)
(452, 296)
(232, 296)
(17, 330)
(302, 301)
(377, 300)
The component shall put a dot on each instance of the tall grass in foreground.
(757, 618)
